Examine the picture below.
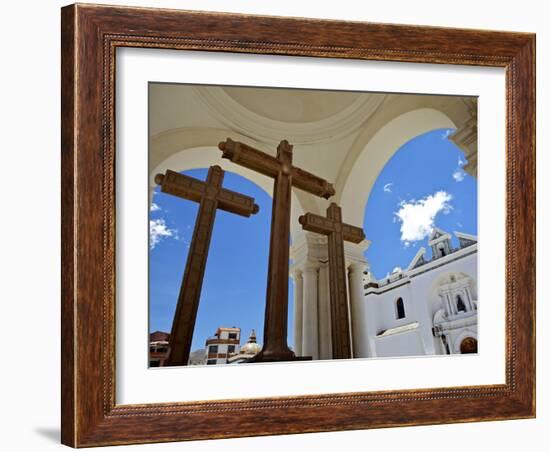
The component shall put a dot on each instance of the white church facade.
(429, 308)
(346, 138)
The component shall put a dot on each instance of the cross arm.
(313, 184)
(234, 202)
(352, 233)
(249, 157)
(180, 185)
(261, 162)
(321, 225)
(187, 187)
(316, 223)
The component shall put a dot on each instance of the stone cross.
(211, 196)
(337, 232)
(286, 176)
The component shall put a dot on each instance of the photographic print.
(295, 202)
(299, 225)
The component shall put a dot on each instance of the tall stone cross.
(211, 196)
(275, 347)
(337, 232)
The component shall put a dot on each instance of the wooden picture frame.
(90, 36)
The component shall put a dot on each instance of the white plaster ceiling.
(292, 105)
(343, 137)
(321, 125)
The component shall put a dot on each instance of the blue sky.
(235, 280)
(421, 186)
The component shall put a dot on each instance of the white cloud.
(154, 207)
(417, 217)
(459, 174)
(159, 231)
(387, 187)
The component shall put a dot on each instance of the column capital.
(358, 267)
(354, 252)
(357, 249)
(312, 248)
(310, 267)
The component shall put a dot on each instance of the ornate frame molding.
(90, 37)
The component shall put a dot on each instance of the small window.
(232, 335)
(460, 306)
(162, 350)
(211, 361)
(230, 349)
(213, 349)
(400, 308)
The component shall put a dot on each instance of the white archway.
(378, 151)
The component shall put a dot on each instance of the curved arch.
(371, 159)
(181, 150)
(468, 345)
(165, 144)
(458, 110)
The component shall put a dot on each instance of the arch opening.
(235, 279)
(377, 152)
(468, 345)
(418, 194)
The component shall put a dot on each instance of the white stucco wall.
(401, 344)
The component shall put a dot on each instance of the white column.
(451, 301)
(446, 304)
(298, 310)
(310, 329)
(325, 338)
(469, 298)
(359, 316)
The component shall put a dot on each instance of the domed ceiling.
(292, 105)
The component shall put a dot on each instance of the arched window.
(460, 306)
(468, 345)
(400, 308)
